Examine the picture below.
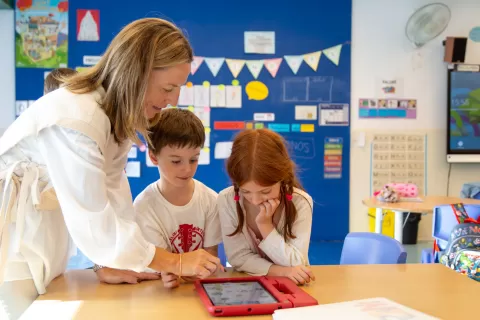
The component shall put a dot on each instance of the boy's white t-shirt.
(179, 229)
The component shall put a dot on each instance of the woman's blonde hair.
(125, 68)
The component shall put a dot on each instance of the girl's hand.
(267, 210)
(200, 264)
(170, 280)
(299, 274)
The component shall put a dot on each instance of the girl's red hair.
(261, 156)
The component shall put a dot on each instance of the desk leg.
(378, 220)
(399, 226)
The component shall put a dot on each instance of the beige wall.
(380, 49)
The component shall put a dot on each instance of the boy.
(55, 79)
(177, 212)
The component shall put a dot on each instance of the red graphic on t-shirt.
(187, 238)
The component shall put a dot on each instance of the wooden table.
(426, 206)
(430, 288)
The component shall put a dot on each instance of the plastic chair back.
(372, 248)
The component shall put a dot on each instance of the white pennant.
(333, 54)
(294, 62)
(214, 64)
(255, 67)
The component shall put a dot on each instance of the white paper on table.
(204, 158)
(218, 96)
(202, 96)
(133, 169)
(186, 97)
(223, 149)
(234, 96)
(305, 112)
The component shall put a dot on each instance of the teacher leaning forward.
(62, 168)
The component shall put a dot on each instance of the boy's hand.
(170, 280)
(116, 276)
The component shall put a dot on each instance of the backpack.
(462, 253)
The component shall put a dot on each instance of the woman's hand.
(116, 276)
(199, 263)
(170, 280)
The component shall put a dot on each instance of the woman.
(62, 167)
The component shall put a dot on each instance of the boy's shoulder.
(148, 195)
(204, 191)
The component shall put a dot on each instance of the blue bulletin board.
(303, 30)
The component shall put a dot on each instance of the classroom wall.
(381, 49)
(7, 67)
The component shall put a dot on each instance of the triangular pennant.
(255, 67)
(235, 66)
(272, 65)
(294, 62)
(333, 54)
(214, 64)
(196, 63)
(312, 59)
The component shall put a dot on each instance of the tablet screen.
(238, 293)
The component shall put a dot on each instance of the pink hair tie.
(289, 197)
(236, 197)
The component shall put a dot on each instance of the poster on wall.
(88, 25)
(388, 108)
(41, 33)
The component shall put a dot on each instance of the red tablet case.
(287, 293)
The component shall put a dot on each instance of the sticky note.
(279, 127)
(295, 127)
(249, 125)
(208, 130)
(229, 125)
(259, 125)
(307, 127)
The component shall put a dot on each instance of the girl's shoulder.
(301, 199)
(227, 193)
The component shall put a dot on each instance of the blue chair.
(443, 222)
(372, 248)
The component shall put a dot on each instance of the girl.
(62, 167)
(266, 217)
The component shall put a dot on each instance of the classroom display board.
(257, 65)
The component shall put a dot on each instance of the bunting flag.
(196, 63)
(214, 64)
(333, 54)
(255, 67)
(294, 62)
(235, 66)
(312, 59)
(272, 65)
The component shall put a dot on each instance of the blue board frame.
(217, 29)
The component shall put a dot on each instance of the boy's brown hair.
(56, 78)
(176, 128)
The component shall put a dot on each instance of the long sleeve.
(295, 251)
(98, 215)
(237, 248)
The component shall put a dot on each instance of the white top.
(90, 184)
(241, 250)
(179, 229)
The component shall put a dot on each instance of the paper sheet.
(223, 150)
(399, 158)
(305, 112)
(148, 161)
(201, 96)
(204, 158)
(262, 42)
(133, 169)
(204, 115)
(234, 96)
(334, 114)
(186, 97)
(264, 116)
(133, 152)
(218, 97)
(207, 137)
